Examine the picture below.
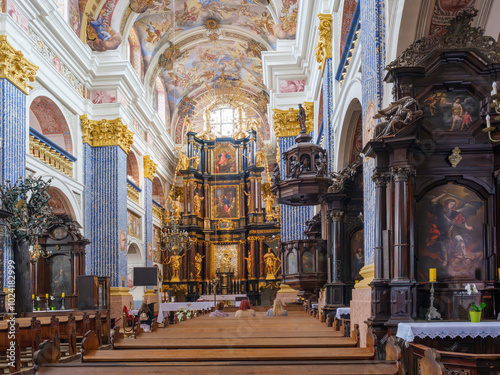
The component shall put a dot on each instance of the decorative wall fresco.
(134, 225)
(450, 233)
(104, 96)
(450, 111)
(444, 11)
(56, 203)
(292, 85)
(287, 26)
(18, 17)
(100, 36)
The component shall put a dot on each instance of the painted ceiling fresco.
(188, 43)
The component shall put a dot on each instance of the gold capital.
(104, 132)
(15, 67)
(324, 47)
(149, 167)
(285, 122)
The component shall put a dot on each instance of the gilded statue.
(249, 260)
(176, 262)
(196, 161)
(259, 159)
(273, 264)
(206, 133)
(176, 207)
(197, 203)
(249, 200)
(198, 258)
(188, 125)
(183, 160)
(225, 262)
(269, 202)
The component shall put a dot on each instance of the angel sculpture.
(397, 116)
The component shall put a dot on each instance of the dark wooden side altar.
(437, 180)
(62, 260)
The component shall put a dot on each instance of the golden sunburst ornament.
(211, 24)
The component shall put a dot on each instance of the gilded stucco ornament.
(15, 67)
(149, 167)
(285, 122)
(324, 47)
(455, 157)
(104, 132)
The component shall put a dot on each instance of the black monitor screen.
(145, 276)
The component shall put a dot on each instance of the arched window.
(222, 121)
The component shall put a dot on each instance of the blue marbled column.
(12, 142)
(148, 219)
(372, 73)
(328, 113)
(293, 219)
(105, 171)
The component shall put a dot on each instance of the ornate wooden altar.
(437, 179)
(223, 212)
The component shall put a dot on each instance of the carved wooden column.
(252, 197)
(258, 196)
(381, 310)
(207, 260)
(186, 210)
(401, 298)
(262, 274)
(191, 195)
(254, 258)
(336, 231)
(206, 201)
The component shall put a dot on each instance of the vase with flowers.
(475, 311)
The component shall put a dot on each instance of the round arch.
(59, 203)
(133, 168)
(46, 118)
(158, 194)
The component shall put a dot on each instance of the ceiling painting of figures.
(189, 43)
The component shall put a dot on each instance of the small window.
(222, 122)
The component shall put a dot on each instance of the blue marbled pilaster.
(372, 69)
(328, 112)
(293, 219)
(148, 217)
(12, 142)
(105, 211)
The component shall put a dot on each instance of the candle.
(47, 295)
(488, 121)
(498, 273)
(32, 296)
(494, 91)
(63, 295)
(432, 275)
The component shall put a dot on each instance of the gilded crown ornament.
(104, 132)
(15, 67)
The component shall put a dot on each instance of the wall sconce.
(495, 104)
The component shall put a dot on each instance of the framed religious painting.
(450, 233)
(225, 202)
(450, 111)
(225, 159)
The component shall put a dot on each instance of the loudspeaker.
(145, 276)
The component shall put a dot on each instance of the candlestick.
(432, 275)
(432, 313)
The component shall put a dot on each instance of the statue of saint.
(249, 200)
(197, 264)
(249, 260)
(272, 264)
(196, 161)
(259, 159)
(176, 262)
(183, 160)
(197, 203)
(176, 207)
(301, 118)
(269, 201)
(188, 125)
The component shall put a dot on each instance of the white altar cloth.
(165, 308)
(342, 311)
(222, 297)
(408, 331)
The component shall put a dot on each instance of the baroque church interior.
(167, 163)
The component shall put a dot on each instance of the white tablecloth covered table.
(408, 331)
(165, 308)
(342, 311)
(222, 297)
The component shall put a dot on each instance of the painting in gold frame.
(225, 202)
(225, 159)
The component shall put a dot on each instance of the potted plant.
(475, 310)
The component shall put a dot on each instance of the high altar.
(230, 230)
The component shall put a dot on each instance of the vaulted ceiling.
(187, 44)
